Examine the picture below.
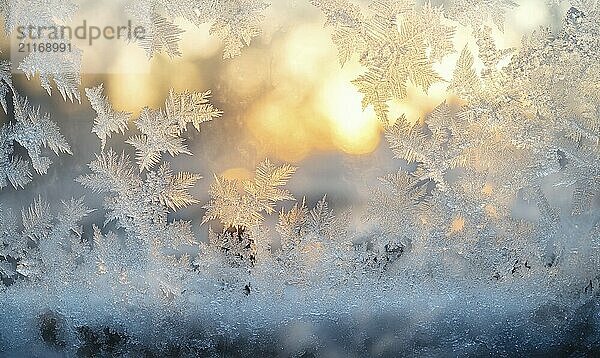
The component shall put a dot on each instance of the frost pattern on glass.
(435, 250)
(31, 129)
(236, 22)
(62, 68)
(161, 129)
(396, 41)
(258, 196)
(108, 120)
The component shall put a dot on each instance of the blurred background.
(286, 97)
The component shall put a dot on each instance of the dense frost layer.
(356, 321)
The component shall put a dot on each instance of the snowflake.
(190, 107)
(347, 20)
(107, 252)
(435, 146)
(140, 206)
(34, 130)
(159, 135)
(158, 191)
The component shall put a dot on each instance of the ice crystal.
(108, 120)
(465, 82)
(477, 12)
(5, 83)
(514, 129)
(566, 63)
(314, 243)
(300, 226)
(47, 245)
(236, 244)
(161, 34)
(397, 43)
(379, 253)
(64, 69)
(32, 130)
(190, 107)
(398, 201)
(13, 169)
(161, 129)
(36, 12)
(242, 203)
(159, 190)
(159, 135)
(140, 206)
(236, 22)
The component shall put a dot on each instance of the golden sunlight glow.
(288, 91)
(491, 211)
(354, 131)
(310, 103)
(247, 76)
(132, 92)
(286, 129)
(457, 225)
(196, 41)
(308, 53)
(238, 173)
(487, 189)
(131, 89)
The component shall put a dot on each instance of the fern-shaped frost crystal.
(62, 68)
(190, 107)
(242, 204)
(159, 135)
(108, 121)
(397, 43)
(161, 129)
(136, 200)
(32, 130)
(236, 22)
